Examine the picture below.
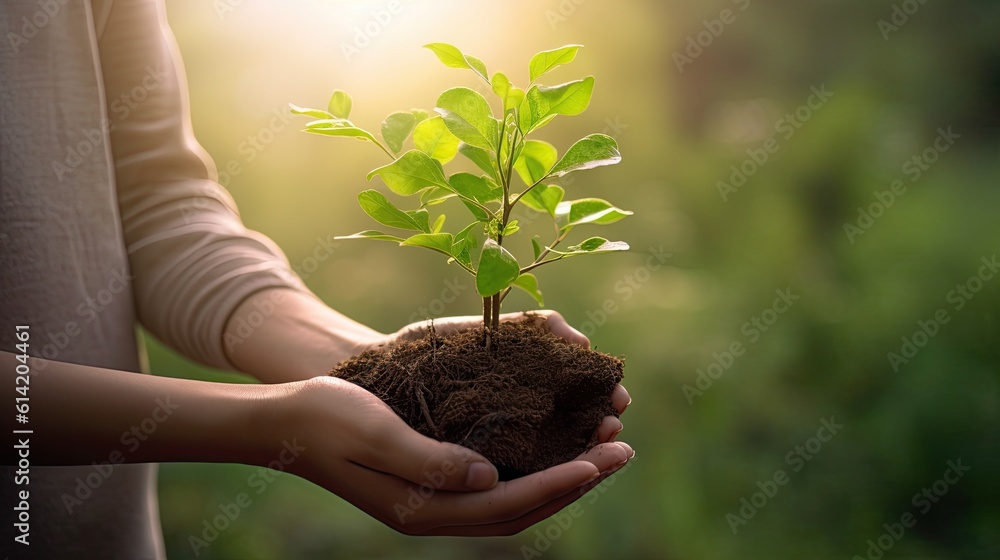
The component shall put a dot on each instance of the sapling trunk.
(488, 322)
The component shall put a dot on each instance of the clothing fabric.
(110, 215)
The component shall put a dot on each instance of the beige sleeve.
(192, 259)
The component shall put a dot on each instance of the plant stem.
(496, 313)
(487, 320)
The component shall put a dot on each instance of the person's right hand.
(355, 446)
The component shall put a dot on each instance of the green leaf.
(434, 139)
(511, 228)
(536, 159)
(396, 128)
(420, 114)
(510, 95)
(536, 247)
(544, 198)
(371, 234)
(466, 233)
(587, 211)
(347, 131)
(477, 212)
(497, 269)
(589, 152)
(478, 66)
(483, 159)
(529, 283)
(593, 245)
(440, 242)
(376, 205)
(328, 123)
(340, 104)
(465, 242)
(476, 188)
(316, 113)
(412, 172)
(468, 116)
(435, 195)
(422, 217)
(452, 57)
(438, 224)
(542, 104)
(545, 61)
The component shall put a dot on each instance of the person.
(112, 216)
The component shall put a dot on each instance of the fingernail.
(629, 452)
(481, 476)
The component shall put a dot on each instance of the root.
(418, 390)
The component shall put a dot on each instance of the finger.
(507, 528)
(556, 324)
(609, 428)
(405, 453)
(377, 438)
(511, 527)
(620, 398)
(508, 500)
(515, 498)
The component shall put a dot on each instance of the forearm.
(279, 335)
(80, 414)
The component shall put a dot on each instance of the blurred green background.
(681, 124)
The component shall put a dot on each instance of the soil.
(532, 402)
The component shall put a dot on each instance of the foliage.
(499, 146)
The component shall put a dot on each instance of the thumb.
(440, 465)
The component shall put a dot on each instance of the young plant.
(501, 148)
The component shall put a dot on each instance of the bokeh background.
(681, 124)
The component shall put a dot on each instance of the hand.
(354, 445)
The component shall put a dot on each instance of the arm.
(326, 430)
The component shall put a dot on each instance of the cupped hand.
(354, 445)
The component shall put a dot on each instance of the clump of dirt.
(531, 402)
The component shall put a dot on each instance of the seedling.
(501, 148)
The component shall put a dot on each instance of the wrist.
(261, 417)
